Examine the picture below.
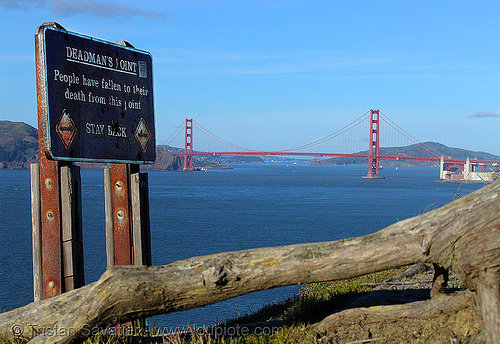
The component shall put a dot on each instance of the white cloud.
(102, 9)
(23, 4)
(75, 7)
(482, 114)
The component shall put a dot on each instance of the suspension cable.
(409, 136)
(215, 137)
(351, 125)
(172, 137)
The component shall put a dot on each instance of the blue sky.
(278, 74)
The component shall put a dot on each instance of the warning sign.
(66, 129)
(142, 135)
(98, 99)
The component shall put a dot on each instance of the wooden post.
(68, 273)
(128, 239)
(71, 222)
(141, 236)
(51, 228)
(108, 211)
(121, 214)
(36, 235)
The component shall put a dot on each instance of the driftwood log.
(463, 236)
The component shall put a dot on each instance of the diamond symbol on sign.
(142, 135)
(66, 129)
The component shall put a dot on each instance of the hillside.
(18, 144)
(460, 153)
(446, 151)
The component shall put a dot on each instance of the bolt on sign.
(97, 99)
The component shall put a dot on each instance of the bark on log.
(463, 236)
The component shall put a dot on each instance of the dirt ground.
(461, 326)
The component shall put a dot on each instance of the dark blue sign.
(98, 99)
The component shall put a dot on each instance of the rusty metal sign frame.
(51, 254)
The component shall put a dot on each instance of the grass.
(312, 303)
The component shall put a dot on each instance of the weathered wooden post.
(141, 234)
(71, 227)
(128, 239)
(95, 104)
(36, 231)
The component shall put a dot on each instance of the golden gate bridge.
(372, 136)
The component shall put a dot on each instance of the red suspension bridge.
(384, 139)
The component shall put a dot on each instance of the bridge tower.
(373, 152)
(188, 144)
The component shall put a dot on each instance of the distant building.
(470, 171)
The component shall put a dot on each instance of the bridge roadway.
(338, 155)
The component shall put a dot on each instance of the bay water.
(249, 206)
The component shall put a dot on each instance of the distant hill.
(446, 151)
(18, 144)
(460, 153)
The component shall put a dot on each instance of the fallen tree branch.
(463, 236)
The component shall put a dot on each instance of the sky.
(278, 74)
